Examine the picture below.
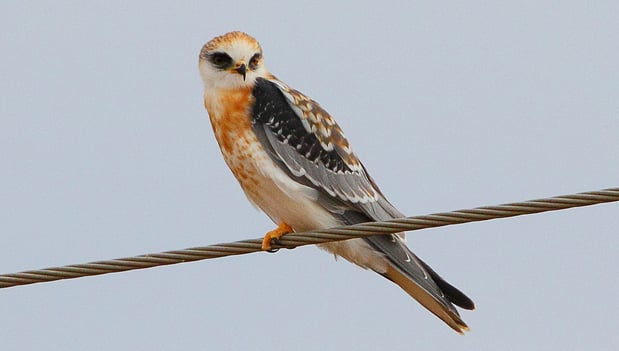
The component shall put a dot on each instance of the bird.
(294, 163)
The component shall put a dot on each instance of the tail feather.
(420, 281)
(405, 269)
(427, 300)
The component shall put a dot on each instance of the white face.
(230, 65)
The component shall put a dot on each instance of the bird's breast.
(231, 122)
(266, 185)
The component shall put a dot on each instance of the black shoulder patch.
(272, 110)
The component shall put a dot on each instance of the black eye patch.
(220, 59)
(255, 60)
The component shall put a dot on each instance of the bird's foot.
(281, 230)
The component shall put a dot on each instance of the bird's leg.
(282, 229)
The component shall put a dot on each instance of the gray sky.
(106, 151)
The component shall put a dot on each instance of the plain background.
(106, 151)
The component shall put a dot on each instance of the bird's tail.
(421, 282)
(437, 307)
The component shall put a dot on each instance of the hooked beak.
(242, 70)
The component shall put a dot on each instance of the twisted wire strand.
(306, 238)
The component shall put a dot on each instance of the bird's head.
(232, 60)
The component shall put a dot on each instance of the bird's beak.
(242, 70)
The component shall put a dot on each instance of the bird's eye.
(255, 60)
(221, 59)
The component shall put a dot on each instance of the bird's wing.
(308, 144)
(303, 138)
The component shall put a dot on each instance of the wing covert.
(302, 135)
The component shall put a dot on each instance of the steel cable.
(306, 238)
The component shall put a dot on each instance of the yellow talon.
(281, 230)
